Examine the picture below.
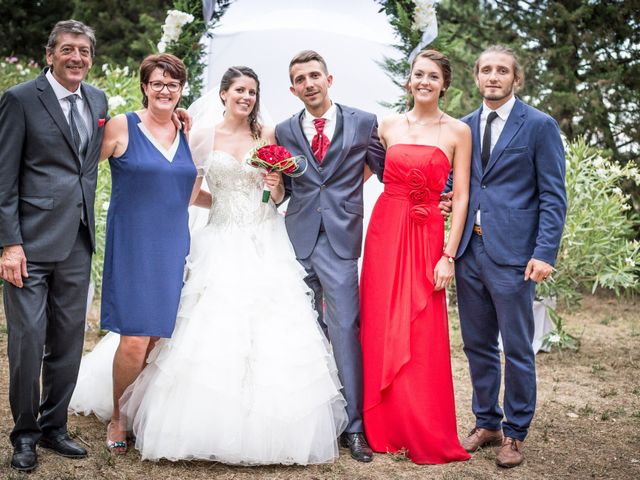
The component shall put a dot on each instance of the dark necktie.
(79, 131)
(320, 142)
(486, 140)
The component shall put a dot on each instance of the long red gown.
(408, 389)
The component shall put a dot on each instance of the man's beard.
(497, 96)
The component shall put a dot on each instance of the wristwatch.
(449, 258)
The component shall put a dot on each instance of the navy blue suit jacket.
(521, 193)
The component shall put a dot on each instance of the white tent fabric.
(351, 35)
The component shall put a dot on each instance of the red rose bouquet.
(274, 158)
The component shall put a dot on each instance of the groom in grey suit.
(324, 217)
(51, 129)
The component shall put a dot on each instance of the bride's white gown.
(248, 376)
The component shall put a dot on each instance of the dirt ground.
(587, 423)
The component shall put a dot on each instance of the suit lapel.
(349, 126)
(52, 105)
(93, 101)
(476, 143)
(514, 122)
(301, 139)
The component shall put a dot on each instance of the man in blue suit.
(324, 218)
(516, 216)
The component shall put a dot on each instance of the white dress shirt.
(496, 127)
(62, 93)
(309, 128)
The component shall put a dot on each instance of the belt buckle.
(477, 229)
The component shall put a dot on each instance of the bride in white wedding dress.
(248, 376)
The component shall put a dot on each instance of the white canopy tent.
(351, 35)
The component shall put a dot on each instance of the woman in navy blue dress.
(147, 225)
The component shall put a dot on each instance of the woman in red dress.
(408, 389)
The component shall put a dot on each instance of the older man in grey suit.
(51, 129)
(324, 217)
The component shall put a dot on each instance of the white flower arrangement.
(424, 22)
(172, 28)
(424, 15)
(116, 101)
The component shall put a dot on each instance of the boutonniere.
(101, 122)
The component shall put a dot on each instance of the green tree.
(583, 66)
(581, 59)
(126, 30)
(26, 25)
(455, 39)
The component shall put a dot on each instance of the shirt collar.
(329, 115)
(503, 111)
(60, 91)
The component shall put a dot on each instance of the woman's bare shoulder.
(268, 133)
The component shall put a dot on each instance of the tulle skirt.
(248, 376)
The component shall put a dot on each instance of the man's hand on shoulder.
(13, 265)
(537, 270)
(182, 119)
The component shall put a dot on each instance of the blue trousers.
(496, 299)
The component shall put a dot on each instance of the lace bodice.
(236, 188)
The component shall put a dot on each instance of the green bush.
(14, 71)
(598, 248)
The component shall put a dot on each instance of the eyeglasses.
(158, 86)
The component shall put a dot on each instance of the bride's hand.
(273, 180)
(443, 274)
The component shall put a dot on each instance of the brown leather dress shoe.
(480, 437)
(510, 454)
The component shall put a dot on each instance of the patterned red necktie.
(320, 142)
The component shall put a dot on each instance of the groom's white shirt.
(309, 128)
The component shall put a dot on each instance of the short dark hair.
(225, 83)
(74, 27)
(307, 56)
(169, 64)
(438, 58)
(518, 71)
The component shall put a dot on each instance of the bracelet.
(449, 258)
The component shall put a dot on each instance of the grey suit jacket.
(330, 193)
(44, 186)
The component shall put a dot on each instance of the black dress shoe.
(24, 456)
(357, 444)
(63, 445)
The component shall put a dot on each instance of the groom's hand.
(537, 270)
